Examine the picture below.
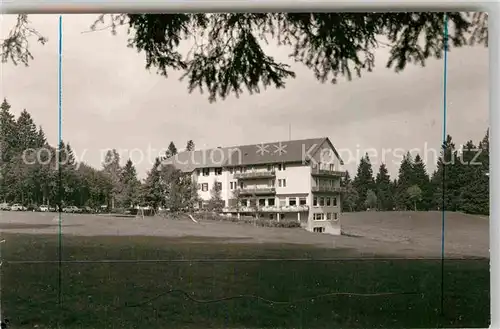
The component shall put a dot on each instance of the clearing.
(153, 273)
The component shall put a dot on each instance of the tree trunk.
(415, 205)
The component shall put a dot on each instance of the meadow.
(152, 273)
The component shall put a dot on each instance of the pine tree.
(445, 180)
(466, 180)
(68, 179)
(171, 151)
(474, 198)
(465, 164)
(422, 180)
(484, 156)
(112, 169)
(384, 189)
(153, 192)
(128, 180)
(350, 196)
(473, 179)
(8, 133)
(41, 139)
(363, 181)
(483, 166)
(190, 145)
(27, 134)
(69, 159)
(405, 180)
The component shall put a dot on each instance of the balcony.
(257, 191)
(255, 174)
(296, 208)
(268, 209)
(327, 172)
(328, 189)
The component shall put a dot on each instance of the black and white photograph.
(245, 170)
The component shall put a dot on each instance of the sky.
(111, 101)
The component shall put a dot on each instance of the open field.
(295, 274)
(399, 234)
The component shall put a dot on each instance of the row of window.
(206, 171)
(302, 201)
(204, 186)
(324, 166)
(271, 202)
(232, 170)
(325, 201)
(325, 182)
(317, 201)
(234, 185)
(270, 167)
(326, 216)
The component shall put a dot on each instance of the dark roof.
(209, 158)
(277, 152)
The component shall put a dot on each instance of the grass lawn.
(105, 295)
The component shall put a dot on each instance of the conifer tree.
(445, 182)
(363, 181)
(112, 169)
(27, 133)
(190, 146)
(153, 193)
(128, 180)
(171, 151)
(384, 189)
(405, 180)
(422, 180)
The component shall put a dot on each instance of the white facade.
(304, 192)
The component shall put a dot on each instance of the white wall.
(227, 193)
(210, 180)
(331, 226)
(325, 156)
(297, 176)
(298, 179)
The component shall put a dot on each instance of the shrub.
(263, 222)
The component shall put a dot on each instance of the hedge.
(263, 222)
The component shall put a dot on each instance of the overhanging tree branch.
(225, 55)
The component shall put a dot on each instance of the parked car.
(43, 208)
(32, 207)
(72, 209)
(17, 207)
(87, 210)
(4, 206)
